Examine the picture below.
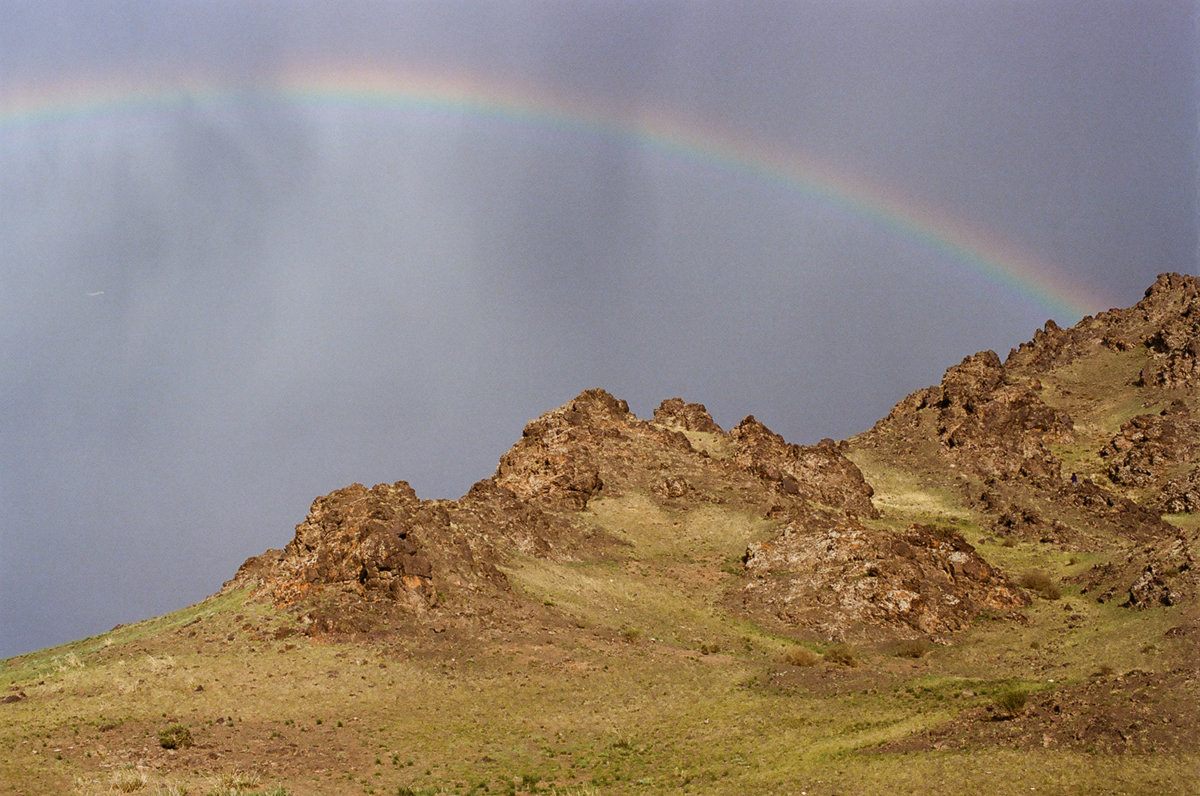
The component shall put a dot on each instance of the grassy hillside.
(624, 676)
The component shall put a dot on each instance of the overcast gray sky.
(232, 278)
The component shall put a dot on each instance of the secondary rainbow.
(1000, 262)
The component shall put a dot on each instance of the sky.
(251, 253)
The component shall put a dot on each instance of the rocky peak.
(820, 473)
(977, 375)
(675, 413)
(984, 420)
(557, 459)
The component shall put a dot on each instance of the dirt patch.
(1134, 713)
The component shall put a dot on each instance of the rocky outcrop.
(1155, 574)
(571, 454)
(365, 541)
(819, 473)
(983, 422)
(1181, 495)
(1148, 446)
(1071, 515)
(829, 573)
(1171, 310)
(384, 545)
(676, 413)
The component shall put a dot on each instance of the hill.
(993, 589)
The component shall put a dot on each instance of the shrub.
(1041, 583)
(175, 737)
(842, 655)
(1011, 701)
(801, 656)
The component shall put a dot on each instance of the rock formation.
(829, 573)
(993, 434)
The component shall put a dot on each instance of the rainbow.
(999, 262)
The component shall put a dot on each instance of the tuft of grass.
(801, 656)
(1011, 701)
(170, 790)
(842, 655)
(236, 783)
(175, 737)
(127, 780)
(1040, 583)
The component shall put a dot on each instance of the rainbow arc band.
(538, 107)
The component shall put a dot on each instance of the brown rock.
(1154, 574)
(1181, 495)
(820, 473)
(829, 573)
(675, 413)
(1148, 446)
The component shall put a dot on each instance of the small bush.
(842, 655)
(801, 656)
(175, 737)
(1011, 701)
(1041, 583)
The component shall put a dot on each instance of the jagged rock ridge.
(993, 431)
(998, 425)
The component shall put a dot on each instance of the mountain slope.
(631, 605)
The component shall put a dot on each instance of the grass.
(842, 655)
(801, 656)
(579, 712)
(1040, 583)
(1011, 701)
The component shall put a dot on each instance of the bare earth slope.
(993, 589)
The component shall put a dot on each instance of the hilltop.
(993, 588)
